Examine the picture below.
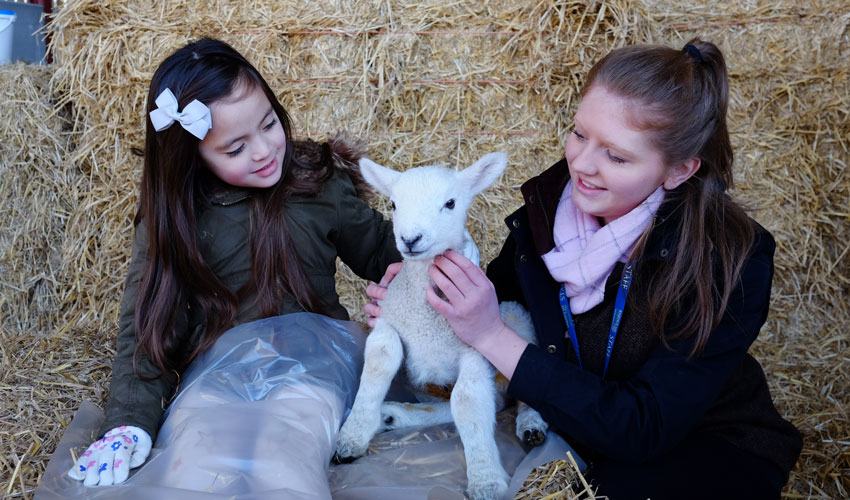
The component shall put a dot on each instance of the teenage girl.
(236, 222)
(647, 285)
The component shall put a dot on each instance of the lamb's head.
(430, 203)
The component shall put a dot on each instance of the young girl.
(646, 283)
(236, 222)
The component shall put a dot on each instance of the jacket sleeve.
(364, 239)
(133, 400)
(648, 414)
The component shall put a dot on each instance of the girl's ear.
(681, 172)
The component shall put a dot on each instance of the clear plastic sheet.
(257, 417)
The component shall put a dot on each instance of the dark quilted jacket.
(335, 223)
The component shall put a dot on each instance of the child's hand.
(377, 292)
(109, 460)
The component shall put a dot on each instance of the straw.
(421, 82)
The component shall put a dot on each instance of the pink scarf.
(585, 253)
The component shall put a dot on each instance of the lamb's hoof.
(349, 445)
(342, 460)
(533, 437)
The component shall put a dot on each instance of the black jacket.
(652, 396)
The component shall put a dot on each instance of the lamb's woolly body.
(432, 349)
(430, 207)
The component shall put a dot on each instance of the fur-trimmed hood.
(342, 151)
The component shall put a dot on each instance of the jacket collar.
(219, 192)
(228, 196)
(543, 192)
(664, 237)
(541, 195)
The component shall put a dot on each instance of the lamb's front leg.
(382, 357)
(473, 404)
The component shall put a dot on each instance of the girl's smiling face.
(246, 144)
(613, 165)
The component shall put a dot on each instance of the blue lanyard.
(619, 307)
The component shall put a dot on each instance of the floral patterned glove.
(109, 460)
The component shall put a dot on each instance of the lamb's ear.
(484, 172)
(381, 178)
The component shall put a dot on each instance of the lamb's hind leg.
(474, 411)
(395, 415)
(382, 358)
(530, 426)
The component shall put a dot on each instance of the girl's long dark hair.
(172, 190)
(681, 98)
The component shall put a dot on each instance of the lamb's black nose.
(410, 243)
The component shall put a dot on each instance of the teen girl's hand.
(377, 292)
(109, 460)
(470, 305)
(472, 310)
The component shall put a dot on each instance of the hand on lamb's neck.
(420, 267)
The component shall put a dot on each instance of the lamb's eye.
(392, 205)
(450, 204)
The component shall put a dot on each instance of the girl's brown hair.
(171, 192)
(681, 98)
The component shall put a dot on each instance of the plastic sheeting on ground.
(257, 418)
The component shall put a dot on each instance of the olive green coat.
(335, 223)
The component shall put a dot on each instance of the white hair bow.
(195, 117)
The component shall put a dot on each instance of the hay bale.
(422, 82)
(33, 178)
(43, 372)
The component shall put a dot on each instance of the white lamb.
(429, 217)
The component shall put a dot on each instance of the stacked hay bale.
(420, 82)
(39, 192)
